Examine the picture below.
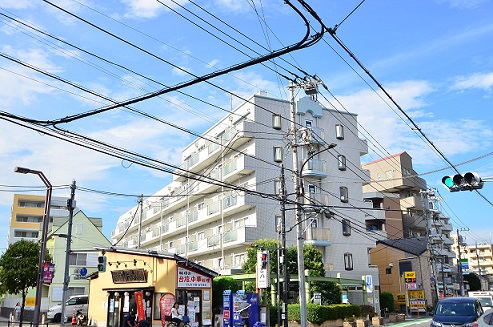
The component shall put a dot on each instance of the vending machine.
(245, 309)
(240, 309)
(227, 309)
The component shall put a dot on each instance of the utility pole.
(298, 186)
(283, 260)
(443, 279)
(459, 264)
(479, 265)
(66, 276)
(141, 202)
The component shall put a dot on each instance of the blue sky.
(435, 58)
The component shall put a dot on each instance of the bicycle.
(184, 323)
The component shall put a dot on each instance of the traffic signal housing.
(467, 182)
(102, 263)
(264, 260)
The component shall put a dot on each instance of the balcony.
(315, 168)
(311, 135)
(203, 157)
(412, 202)
(318, 237)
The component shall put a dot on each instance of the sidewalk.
(408, 319)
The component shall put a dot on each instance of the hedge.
(317, 313)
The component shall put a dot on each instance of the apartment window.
(346, 227)
(278, 222)
(348, 261)
(308, 123)
(220, 262)
(276, 121)
(314, 223)
(311, 188)
(200, 236)
(31, 204)
(341, 162)
(379, 177)
(340, 131)
(77, 259)
(277, 187)
(278, 154)
(200, 206)
(388, 271)
(239, 260)
(343, 192)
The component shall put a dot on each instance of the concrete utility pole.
(66, 276)
(459, 263)
(141, 202)
(284, 314)
(298, 186)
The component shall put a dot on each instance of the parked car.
(72, 306)
(486, 320)
(457, 312)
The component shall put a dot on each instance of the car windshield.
(485, 301)
(456, 309)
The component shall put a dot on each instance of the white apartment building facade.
(213, 224)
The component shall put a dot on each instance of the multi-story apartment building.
(25, 223)
(404, 209)
(223, 196)
(479, 259)
(27, 214)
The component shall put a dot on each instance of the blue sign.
(83, 271)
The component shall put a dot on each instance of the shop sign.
(129, 276)
(139, 302)
(401, 298)
(191, 279)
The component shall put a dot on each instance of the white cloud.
(18, 4)
(474, 81)
(149, 8)
(180, 71)
(465, 4)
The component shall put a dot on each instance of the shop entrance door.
(192, 301)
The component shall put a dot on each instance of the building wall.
(258, 138)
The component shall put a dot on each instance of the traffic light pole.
(66, 276)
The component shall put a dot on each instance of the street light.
(44, 232)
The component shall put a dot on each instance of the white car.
(486, 320)
(74, 303)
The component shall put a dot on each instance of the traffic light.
(470, 181)
(264, 260)
(102, 263)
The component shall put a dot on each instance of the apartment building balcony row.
(210, 152)
(197, 244)
(311, 135)
(193, 217)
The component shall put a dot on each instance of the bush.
(316, 313)
(367, 310)
(387, 301)
(294, 312)
(332, 312)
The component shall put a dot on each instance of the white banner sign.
(191, 279)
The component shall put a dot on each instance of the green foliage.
(474, 282)
(330, 291)
(219, 284)
(356, 310)
(19, 266)
(249, 267)
(273, 315)
(367, 310)
(294, 312)
(387, 301)
(316, 313)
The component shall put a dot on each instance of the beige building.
(149, 283)
(404, 208)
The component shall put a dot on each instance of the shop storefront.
(148, 283)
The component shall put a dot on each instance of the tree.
(250, 265)
(219, 284)
(474, 281)
(19, 269)
(313, 263)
